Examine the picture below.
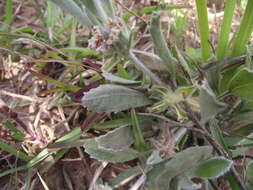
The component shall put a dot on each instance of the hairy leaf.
(114, 98)
(213, 168)
(209, 105)
(116, 140)
(74, 9)
(161, 46)
(91, 147)
(161, 174)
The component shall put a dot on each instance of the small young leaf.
(114, 98)
(209, 105)
(91, 147)
(116, 140)
(213, 168)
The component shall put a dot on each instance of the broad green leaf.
(114, 98)
(116, 79)
(249, 171)
(213, 168)
(75, 10)
(91, 148)
(160, 176)
(242, 83)
(161, 45)
(116, 140)
(209, 105)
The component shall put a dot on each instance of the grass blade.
(14, 151)
(55, 82)
(139, 139)
(223, 42)
(203, 29)
(244, 32)
(8, 15)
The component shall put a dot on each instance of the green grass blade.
(28, 179)
(8, 17)
(223, 42)
(18, 135)
(203, 29)
(55, 82)
(14, 151)
(139, 139)
(73, 135)
(244, 32)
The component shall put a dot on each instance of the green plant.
(193, 104)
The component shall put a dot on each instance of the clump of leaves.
(193, 104)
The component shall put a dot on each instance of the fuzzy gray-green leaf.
(114, 98)
(161, 45)
(75, 10)
(209, 105)
(91, 148)
(213, 168)
(162, 174)
(116, 140)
